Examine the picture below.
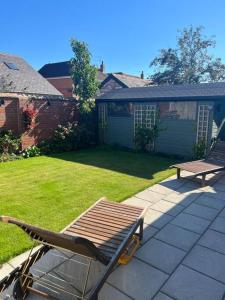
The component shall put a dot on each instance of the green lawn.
(52, 191)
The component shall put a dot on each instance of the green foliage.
(4, 157)
(200, 150)
(8, 142)
(31, 151)
(190, 61)
(71, 136)
(145, 137)
(84, 75)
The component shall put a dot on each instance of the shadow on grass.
(142, 165)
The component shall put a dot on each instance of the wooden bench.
(103, 233)
(214, 162)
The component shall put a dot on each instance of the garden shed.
(185, 115)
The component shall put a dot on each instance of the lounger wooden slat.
(92, 224)
(94, 240)
(123, 210)
(111, 224)
(102, 233)
(126, 208)
(214, 162)
(110, 218)
(119, 215)
(94, 235)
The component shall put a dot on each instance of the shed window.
(203, 123)
(119, 110)
(145, 115)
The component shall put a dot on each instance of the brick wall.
(48, 114)
(63, 85)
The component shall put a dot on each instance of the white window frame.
(203, 123)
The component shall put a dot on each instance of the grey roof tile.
(25, 79)
(200, 91)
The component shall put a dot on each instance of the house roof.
(23, 78)
(62, 69)
(202, 91)
(130, 80)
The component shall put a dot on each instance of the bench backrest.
(217, 153)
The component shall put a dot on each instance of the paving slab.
(206, 261)
(167, 207)
(138, 280)
(161, 255)
(213, 240)
(137, 202)
(172, 182)
(205, 200)
(161, 296)
(201, 211)
(156, 219)
(192, 223)
(149, 232)
(222, 214)
(218, 186)
(189, 187)
(162, 189)
(183, 199)
(177, 236)
(211, 192)
(219, 224)
(150, 196)
(110, 293)
(187, 284)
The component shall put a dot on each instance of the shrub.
(8, 142)
(31, 151)
(69, 137)
(4, 157)
(145, 138)
(200, 150)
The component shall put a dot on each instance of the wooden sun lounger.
(102, 233)
(214, 162)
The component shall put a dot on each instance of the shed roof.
(23, 78)
(200, 91)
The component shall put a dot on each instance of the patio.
(183, 252)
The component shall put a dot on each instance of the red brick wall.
(48, 114)
(63, 85)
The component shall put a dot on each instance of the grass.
(52, 191)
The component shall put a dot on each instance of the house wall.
(110, 85)
(48, 114)
(178, 135)
(63, 84)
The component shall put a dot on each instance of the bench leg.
(178, 173)
(203, 180)
(141, 230)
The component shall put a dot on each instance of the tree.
(84, 75)
(190, 61)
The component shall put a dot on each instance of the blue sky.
(126, 34)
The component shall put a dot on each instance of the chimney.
(142, 75)
(102, 67)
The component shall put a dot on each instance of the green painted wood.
(120, 131)
(177, 137)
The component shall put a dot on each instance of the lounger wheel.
(18, 292)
